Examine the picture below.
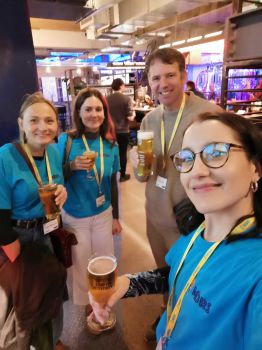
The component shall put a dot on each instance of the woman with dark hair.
(91, 210)
(214, 274)
(32, 280)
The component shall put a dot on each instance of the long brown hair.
(106, 130)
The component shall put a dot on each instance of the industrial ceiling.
(123, 25)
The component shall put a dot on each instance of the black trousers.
(123, 141)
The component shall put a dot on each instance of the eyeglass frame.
(227, 144)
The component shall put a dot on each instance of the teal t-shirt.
(82, 193)
(18, 187)
(223, 307)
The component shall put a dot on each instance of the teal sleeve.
(253, 320)
(61, 144)
(116, 163)
(5, 189)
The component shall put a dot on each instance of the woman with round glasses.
(214, 274)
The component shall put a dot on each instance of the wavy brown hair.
(106, 130)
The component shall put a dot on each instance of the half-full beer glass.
(47, 197)
(90, 155)
(101, 272)
(145, 152)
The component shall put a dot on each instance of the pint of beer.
(47, 197)
(145, 152)
(101, 277)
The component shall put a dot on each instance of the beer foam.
(145, 135)
(102, 265)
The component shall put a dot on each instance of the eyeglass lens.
(213, 155)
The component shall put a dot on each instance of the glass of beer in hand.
(145, 152)
(101, 273)
(47, 197)
(91, 156)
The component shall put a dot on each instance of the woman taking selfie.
(214, 274)
(91, 210)
(28, 268)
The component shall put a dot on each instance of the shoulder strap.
(67, 148)
(25, 156)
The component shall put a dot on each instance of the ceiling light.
(194, 38)
(48, 69)
(210, 35)
(180, 42)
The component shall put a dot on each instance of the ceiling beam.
(188, 15)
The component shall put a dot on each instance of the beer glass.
(145, 152)
(47, 197)
(101, 272)
(90, 155)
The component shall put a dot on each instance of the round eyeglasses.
(213, 155)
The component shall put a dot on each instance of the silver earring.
(254, 186)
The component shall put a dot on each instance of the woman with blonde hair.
(32, 280)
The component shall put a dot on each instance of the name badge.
(100, 200)
(161, 182)
(50, 226)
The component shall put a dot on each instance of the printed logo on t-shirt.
(199, 299)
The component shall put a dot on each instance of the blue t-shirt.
(223, 307)
(82, 193)
(19, 188)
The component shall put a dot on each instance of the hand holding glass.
(47, 197)
(145, 152)
(101, 281)
(91, 156)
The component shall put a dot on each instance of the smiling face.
(39, 123)
(167, 83)
(224, 189)
(92, 114)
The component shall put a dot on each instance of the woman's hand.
(117, 228)
(81, 163)
(133, 157)
(101, 312)
(12, 250)
(61, 196)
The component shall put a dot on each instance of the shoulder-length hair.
(107, 130)
(250, 137)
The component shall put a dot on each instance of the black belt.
(27, 223)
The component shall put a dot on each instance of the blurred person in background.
(191, 86)
(121, 110)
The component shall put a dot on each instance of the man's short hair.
(116, 84)
(166, 55)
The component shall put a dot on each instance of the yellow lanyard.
(37, 174)
(102, 167)
(173, 315)
(178, 119)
